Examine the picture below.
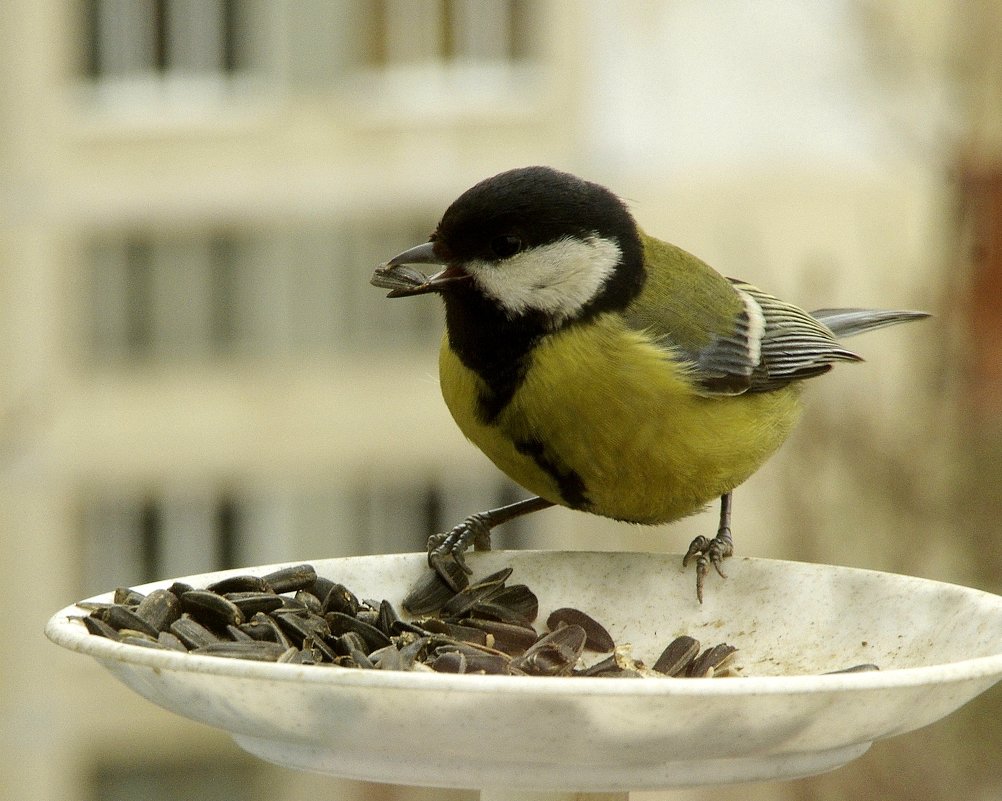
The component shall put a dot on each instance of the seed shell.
(171, 641)
(256, 650)
(512, 640)
(244, 583)
(127, 597)
(677, 656)
(192, 633)
(96, 625)
(340, 599)
(121, 617)
(712, 661)
(211, 609)
(252, 601)
(299, 625)
(430, 592)
(159, 609)
(518, 598)
(596, 636)
(289, 579)
(554, 654)
(864, 668)
(340, 623)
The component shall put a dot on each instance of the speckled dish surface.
(938, 646)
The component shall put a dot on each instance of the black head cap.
(532, 206)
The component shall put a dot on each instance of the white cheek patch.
(558, 279)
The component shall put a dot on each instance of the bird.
(603, 369)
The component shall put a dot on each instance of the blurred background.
(196, 374)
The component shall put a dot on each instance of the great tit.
(603, 369)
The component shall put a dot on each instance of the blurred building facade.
(196, 373)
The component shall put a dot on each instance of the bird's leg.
(476, 529)
(712, 552)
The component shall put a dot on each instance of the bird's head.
(530, 241)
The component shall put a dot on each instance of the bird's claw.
(441, 547)
(709, 552)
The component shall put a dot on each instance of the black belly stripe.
(491, 344)
(498, 393)
(570, 485)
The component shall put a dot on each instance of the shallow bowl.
(937, 646)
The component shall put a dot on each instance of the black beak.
(403, 281)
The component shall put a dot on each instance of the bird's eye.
(505, 246)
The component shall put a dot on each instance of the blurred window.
(412, 31)
(133, 38)
(131, 539)
(303, 289)
(127, 45)
(132, 536)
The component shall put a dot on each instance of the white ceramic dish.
(938, 646)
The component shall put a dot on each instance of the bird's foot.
(709, 552)
(474, 531)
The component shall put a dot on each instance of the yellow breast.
(604, 410)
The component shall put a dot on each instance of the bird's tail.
(849, 322)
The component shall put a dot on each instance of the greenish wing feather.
(699, 318)
(794, 346)
(733, 337)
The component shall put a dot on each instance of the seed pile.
(294, 615)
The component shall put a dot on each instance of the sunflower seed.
(606, 667)
(554, 654)
(448, 662)
(171, 641)
(127, 597)
(596, 637)
(159, 609)
(512, 640)
(192, 633)
(211, 610)
(676, 658)
(121, 617)
(97, 626)
(252, 601)
(865, 668)
(321, 587)
(142, 640)
(238, 635)
(361, 659)
(239, 584)
(289, 579)
(397, 276)
(299, 625)
(350, 641)
(340, 599)
(520, 600)
(456, 631)
(712, 661)
(340, 623)
(431, 592)
(256, 650)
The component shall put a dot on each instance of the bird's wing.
(770, 343)
(733, 337)
(793, 344)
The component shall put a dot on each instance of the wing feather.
(732, 336)
(771, 344)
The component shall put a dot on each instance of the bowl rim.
(63, 630)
